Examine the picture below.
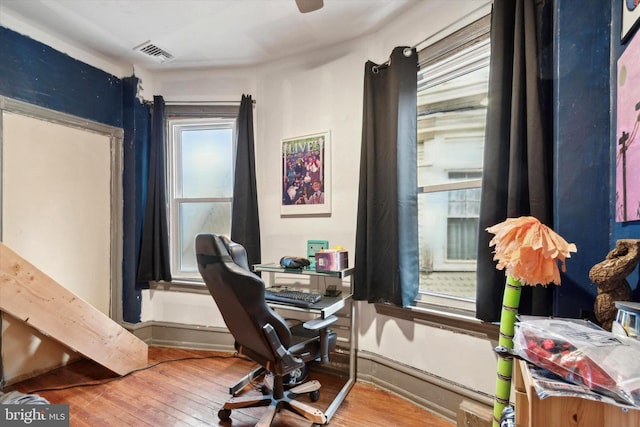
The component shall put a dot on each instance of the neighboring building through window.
(201, 154)
(452, 101)
(462, 219)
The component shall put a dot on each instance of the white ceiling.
(202, 33)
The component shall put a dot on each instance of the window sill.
(456, 320)
(180, 285)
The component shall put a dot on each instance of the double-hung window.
(452, 100)
(201, 154)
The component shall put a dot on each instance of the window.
(200, 167)
(452, 100)
(462, 219)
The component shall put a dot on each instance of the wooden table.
(556, 411)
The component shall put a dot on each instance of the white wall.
(299, 98)
(56, 203)
(460, 358)
(56, 213)
(180, 307)
(312, 93)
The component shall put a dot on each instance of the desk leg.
(331, 410)
(246, 380)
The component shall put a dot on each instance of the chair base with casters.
(276, 394)
(277, 398)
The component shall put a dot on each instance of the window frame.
(451, 48)
(179, 117)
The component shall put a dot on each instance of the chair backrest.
(239, 294)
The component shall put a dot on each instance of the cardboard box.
(332, 260)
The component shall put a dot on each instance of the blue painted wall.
(588, 46)
(582, 123)
(136, 122)
(35, 73)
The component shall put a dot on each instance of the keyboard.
(292, 297)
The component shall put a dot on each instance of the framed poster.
(627, 134)
(306, 175)
(630, 18)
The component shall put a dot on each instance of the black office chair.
(260, 333)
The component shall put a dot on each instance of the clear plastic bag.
(582, 353)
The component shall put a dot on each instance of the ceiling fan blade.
(309, 5)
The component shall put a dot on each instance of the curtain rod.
(407, 50)
(457, 21)
(205, 102)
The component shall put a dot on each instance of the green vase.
(510, 304)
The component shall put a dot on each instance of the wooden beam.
(28, 294)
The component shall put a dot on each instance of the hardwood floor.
(190, 391)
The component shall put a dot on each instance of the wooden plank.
(615, 416)
(36, 299)
(564, 411)
(522, 409)
(472, 414)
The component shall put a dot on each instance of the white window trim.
(174, 127)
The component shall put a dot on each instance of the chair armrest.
(285, 361)
(319, 323)
(322, 325)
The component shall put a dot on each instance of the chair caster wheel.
(224, 414)
(314, 395)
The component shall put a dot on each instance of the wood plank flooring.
(188, 387)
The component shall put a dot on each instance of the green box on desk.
(332, 260)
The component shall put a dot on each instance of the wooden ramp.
(28, 294)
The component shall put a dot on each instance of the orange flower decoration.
(529, 250)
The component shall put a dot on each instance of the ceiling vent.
(152, 51)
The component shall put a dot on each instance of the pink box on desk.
(332, 260)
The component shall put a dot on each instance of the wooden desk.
(530, 411)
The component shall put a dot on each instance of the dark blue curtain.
(245, 224)
(386, 256)
(518, 154)
(154, 262)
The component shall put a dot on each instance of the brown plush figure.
(610, 276)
